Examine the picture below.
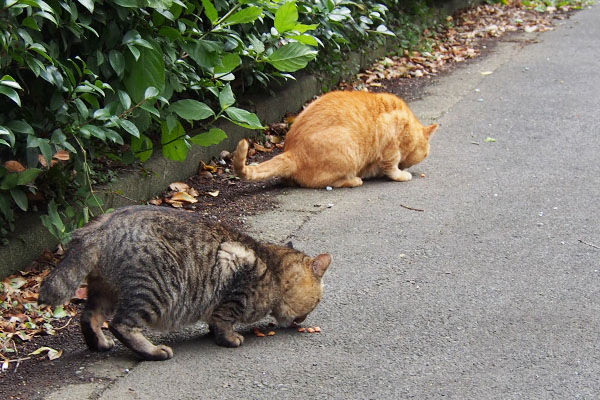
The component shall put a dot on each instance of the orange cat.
(341, 139)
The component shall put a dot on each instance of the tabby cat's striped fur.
(163, 268)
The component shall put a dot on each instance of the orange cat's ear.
(320, 264)
(428, 130)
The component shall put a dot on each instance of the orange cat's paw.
(401, 176)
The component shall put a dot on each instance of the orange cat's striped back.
(343, 137)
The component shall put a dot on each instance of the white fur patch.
(236, 253)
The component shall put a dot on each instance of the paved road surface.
(492, 292)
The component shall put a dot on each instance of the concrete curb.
(138, 187)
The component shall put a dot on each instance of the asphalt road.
(491, 292)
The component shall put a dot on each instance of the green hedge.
(86, 84)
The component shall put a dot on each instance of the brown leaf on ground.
(179, 186)
(183, 197)
(209, 167)
(261, 148)
(174, 203)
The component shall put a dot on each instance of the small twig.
(475, 143)
(19, 360)
(589, 244)
(410, 208)
(113, 192)
(17, 353)
(65, 325)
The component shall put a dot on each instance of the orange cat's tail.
(280, 166)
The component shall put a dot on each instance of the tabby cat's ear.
(428, 130)
(320, 264)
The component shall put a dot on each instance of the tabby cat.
(341, 139)
(157, 267)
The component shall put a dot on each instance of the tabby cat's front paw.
(232, 340)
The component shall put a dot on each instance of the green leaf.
(246, 118)
(82, 108)
(44, 146)
(150, 93)
(204, 56)
(230, 61)
(10, 181)
(28, 176)
(291, 57)
(125, 99)
(191, 110)
(89, 4)
(286, 17)
(9, 81)
(94, 131)
(168, 32)
(149, 108)
(20, 126)
(135, 52)
(142, 147)
(160, 4)
(20, 198)
(59, 312)
(129, 127)
(213, 136)
(226, 98)
(245, 16)
(30, 23)
(117, 62)
(306, 39)
(4, 131)
(301, 28)
(126, 3)
(210, 11)
(173, 141)
(5, 206)
(11, 94)
(257, 45)
(147, 70)
(113, 136)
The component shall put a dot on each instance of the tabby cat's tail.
(280, 166)
(80, 259)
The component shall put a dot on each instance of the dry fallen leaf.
(179, 186)
(184, 197)
(52, 354)
(62, 155)
(261, 148)
(208, 167)
(14, 166)
(258, 333)
(213, 194)
(156, 202)
(174, 203)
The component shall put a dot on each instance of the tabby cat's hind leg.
(348, 182)
(133, 338)
(91, 327)
(97, 308)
